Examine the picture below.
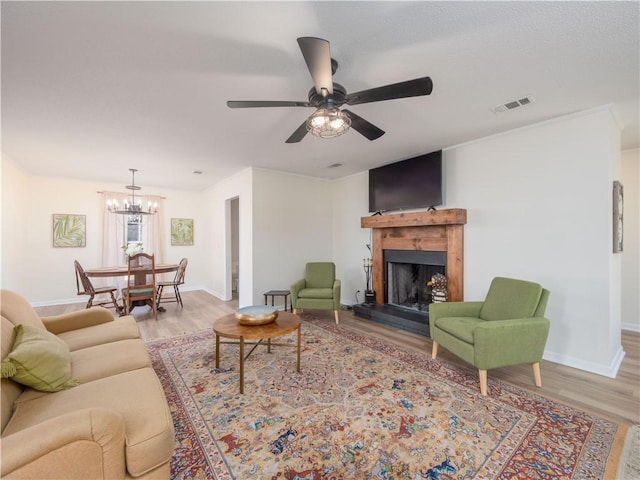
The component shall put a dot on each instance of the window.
(134, 229)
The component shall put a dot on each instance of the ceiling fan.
(327, 97)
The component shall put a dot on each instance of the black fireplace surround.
(406, 294)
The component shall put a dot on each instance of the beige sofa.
(115, 424)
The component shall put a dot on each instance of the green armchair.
(508, 328)
(318, 290)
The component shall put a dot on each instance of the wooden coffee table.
(228, 327)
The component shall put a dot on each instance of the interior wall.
(218, 198)
(350, 202)
(539, 207)
(630, 178)
(292, 225)
(29, 257)
(13, 212)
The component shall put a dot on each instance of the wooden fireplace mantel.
(436, 230)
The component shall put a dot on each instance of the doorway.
(235, 246)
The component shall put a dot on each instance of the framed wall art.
(181, 231)
(69, 230)
(618, 203)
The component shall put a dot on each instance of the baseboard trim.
(84, 298)
(631, 327)
(610, 371)
(64, 301)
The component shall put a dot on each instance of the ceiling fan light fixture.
(328, 123)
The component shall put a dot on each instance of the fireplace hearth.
(408, 249)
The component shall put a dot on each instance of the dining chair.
(141, 282)
(175, 283)
(88, 289)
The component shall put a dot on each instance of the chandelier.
(132, 206)
(328, 122)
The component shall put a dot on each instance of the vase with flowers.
(132, 248)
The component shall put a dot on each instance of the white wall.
(538, 202)
(218, 198)
(292, 225)
(539, 208)
(631, 255)
(350, 204)
(13, 206)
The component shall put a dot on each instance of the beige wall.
(44, 274)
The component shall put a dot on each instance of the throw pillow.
(39, 360)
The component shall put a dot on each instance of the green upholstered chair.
(508, 328)
(318, 290)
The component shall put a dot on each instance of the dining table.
(123, 270)
(140, 272)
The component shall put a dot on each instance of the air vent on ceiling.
(513, 104)
(335, 165)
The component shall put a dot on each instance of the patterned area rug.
(629, 467)
(363, 409)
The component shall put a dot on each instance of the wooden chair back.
(81, 278)
(182, 268)
(141, 281)
(141, 271)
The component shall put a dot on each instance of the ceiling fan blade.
(317, 54)
(364, 127)
(410, 88)
(299, 134)
(266, 103)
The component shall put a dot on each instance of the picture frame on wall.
(618, 210)
(69, 230)
(182, 231)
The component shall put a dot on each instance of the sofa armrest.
(337, 286)
(79, 319)
(454, 309)
(499, 343)
(88, 443)
(295, 289)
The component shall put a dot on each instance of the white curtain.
(114, 233)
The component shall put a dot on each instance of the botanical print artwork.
(618, 204)
(69, 230)
(181, 231)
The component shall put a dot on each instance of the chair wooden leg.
(337, 315)
(483, 382)
(295, 311)
(536, 374)
(178, 297)
(434, 350)
(115, 304)
(159, 295)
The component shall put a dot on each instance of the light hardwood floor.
(615, 398)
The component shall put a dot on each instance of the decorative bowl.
(256, 315)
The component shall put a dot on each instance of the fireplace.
(407, 273)
(408, 249)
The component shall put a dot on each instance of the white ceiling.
(90, 89)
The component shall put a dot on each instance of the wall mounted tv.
(412, 183)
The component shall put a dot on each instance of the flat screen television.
(412, 183)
